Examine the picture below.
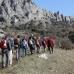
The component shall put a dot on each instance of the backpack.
(9, 44)
(16, 43)
(3, 44)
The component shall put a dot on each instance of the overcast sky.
(65, 7)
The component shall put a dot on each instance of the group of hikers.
(20, 44)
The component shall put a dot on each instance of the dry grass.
(61, 62)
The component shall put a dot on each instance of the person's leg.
(10, 57)
(34, 48)
(7, 58)
(38, 48)
(25, 48)
(43, 45)
(17, 54)
(2, 59)
(44, 48)
(31, 51)
(49, 49)
(23, 51)
(52, 49)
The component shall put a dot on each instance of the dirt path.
(60, 62)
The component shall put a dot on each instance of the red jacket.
(50, 43)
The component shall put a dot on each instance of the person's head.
(18, 36)
(6, 36)
(29, 37)
(3, 38)
(32, 35)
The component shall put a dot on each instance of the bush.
(66, 44)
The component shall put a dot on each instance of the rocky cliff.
(25, 14)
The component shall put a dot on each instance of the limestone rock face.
(17, 12)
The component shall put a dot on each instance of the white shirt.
(25, 43)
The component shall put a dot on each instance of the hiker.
(43, 43)
(31, 45)
(4, 50)
(16, 46)
(12, 42)
(10, 48)
(38, 44)
(50, 45)
(34, 41)
(24, 46)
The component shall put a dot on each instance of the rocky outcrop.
(25, 13)
(13, 11)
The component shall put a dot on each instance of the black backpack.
(16, 41)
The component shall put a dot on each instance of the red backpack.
(3, 44)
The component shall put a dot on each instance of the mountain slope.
(25, 13)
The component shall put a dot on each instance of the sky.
(65, 7)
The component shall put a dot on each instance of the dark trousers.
(4, 57)
(50, 48)
(31, 48)
(19, 52)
